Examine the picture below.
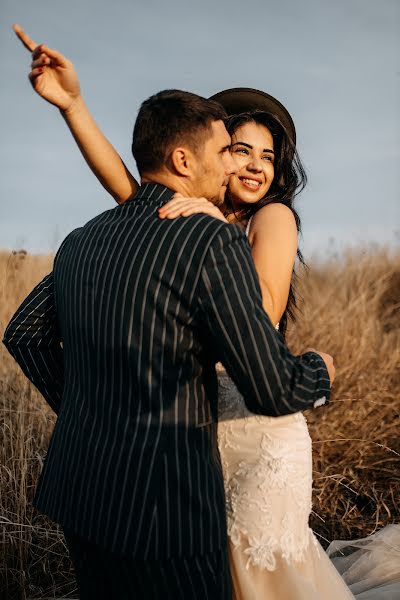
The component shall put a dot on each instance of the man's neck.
(180, 185)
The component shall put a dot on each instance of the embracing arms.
(273, 241)
(54, 78)
(272, 381)
(33, 339)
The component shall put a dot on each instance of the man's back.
(144, 307)
(137, 418)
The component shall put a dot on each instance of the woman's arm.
(273, 238)
(54, 78)
(180, 206)
(100, 155)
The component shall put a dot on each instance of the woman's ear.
(182, 161)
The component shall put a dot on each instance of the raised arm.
(272, 381)
(55, 79)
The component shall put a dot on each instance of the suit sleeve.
(32, 337)
(272, 381)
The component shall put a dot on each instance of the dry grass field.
(350, 308)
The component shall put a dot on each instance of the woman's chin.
(250, 198)
(242, 196)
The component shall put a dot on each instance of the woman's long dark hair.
(289, 179)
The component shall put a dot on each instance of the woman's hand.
(52, 75)
(54, 78)
(180, 206)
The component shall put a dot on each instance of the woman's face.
(253, 151)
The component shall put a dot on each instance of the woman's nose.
(255, 165)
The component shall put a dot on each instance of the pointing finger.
(24, 37)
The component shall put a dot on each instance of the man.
(122, 338)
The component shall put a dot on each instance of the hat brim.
(239, 100)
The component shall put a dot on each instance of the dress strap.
(248, 226)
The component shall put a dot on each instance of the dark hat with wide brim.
(239, 100)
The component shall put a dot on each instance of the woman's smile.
(253, 151)
(251, 184)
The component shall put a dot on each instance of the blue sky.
(335, 65)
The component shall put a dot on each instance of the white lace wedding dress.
(274, 555)
(267, 465)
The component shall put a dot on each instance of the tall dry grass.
(33, 560)
(350, 308)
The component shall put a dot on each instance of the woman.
(267, 462)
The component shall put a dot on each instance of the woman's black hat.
(239, 100)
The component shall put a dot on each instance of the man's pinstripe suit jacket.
(122, 339)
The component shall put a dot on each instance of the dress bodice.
(231, 405)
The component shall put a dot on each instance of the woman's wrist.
(76, 105)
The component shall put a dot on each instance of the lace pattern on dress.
(267, 476)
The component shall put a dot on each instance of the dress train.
(370, 566)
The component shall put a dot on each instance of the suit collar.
(152, 194)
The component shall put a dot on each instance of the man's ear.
(182, 160)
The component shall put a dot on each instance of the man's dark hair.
(170, 119)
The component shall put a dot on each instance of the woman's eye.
(267, 157)
(241, 151)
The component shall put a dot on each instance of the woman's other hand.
(180, 206)
(52, 75)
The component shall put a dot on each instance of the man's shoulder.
(81, 230)
(222, 232)
(200, 232)
(207, 232)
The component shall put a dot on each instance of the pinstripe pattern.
(144, 308)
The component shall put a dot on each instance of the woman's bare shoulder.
(274, 217)
(273, 212)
